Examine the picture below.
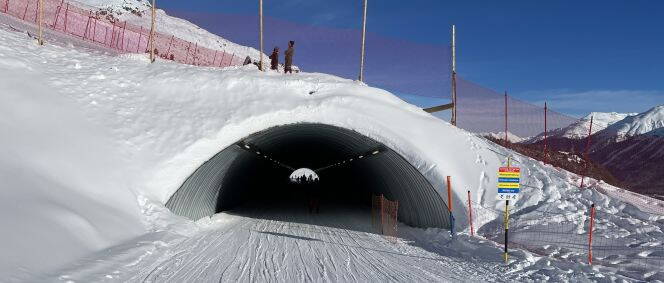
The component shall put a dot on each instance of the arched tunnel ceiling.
(219, 183)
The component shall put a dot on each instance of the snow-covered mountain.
(137, 12)
(501, 136)
(631, 126)
(580, 128)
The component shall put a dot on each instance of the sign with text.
(508, 183)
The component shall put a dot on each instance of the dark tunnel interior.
(255, 172)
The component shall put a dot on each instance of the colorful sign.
(508, 183)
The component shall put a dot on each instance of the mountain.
(501, 136)
(631, 126)
(579, 129)
(627, 152)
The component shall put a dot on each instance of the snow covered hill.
(138, 12)
(94, 145)
(501, 136)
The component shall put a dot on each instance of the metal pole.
(507, 217)
(364, 34)
(590, 234)
(454, 83)
(449, 204)
(506, 119)
(152, 31)
(260, 34)
(545, 132)
(585, 153)
(41, 22)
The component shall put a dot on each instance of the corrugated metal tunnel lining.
(249, 168)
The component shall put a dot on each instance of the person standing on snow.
(289, 57)
(274, 59)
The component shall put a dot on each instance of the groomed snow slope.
(97, 144)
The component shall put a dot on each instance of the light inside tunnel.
(351, 168)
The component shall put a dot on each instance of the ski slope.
(95, 144)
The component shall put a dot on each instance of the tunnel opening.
(253, 177)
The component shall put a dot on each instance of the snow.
(501, 136)
(303, 172)
(643, 123)
(579, 129)
(94, 145)
(168, 25)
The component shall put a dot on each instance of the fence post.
(585, 153)
(106, 36)
(232, 57)
(382, 223)
(187, 57)
(214, 59)
(26, 9)
(94, 30)
(506, 224)
(57, 14)
(470, 216)
(7, 6)
(138, 45)
(87, 25)
(449, 204)
(122, 46)
(221, 62)
(169, 45)
(40, 12)
(66, 16)
(590, 234)
(506, 118)
(545, 132)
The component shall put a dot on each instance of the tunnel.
(351, 167)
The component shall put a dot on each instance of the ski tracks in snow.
(262, 246)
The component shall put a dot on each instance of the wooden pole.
(41, 22)
(470, 215)
(449, 204)
(152, 31)
(260, 33)
(454, 83)
(364, 37)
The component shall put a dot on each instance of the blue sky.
(581, 56)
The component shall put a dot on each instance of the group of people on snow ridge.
(288, 59)
(274, 58)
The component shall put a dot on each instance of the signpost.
(508, 183)
(509, 179)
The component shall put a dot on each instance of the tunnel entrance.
(256, 172)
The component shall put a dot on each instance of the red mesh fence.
(104, 30)
(482, 110)
(583, 237)
(384, 215)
